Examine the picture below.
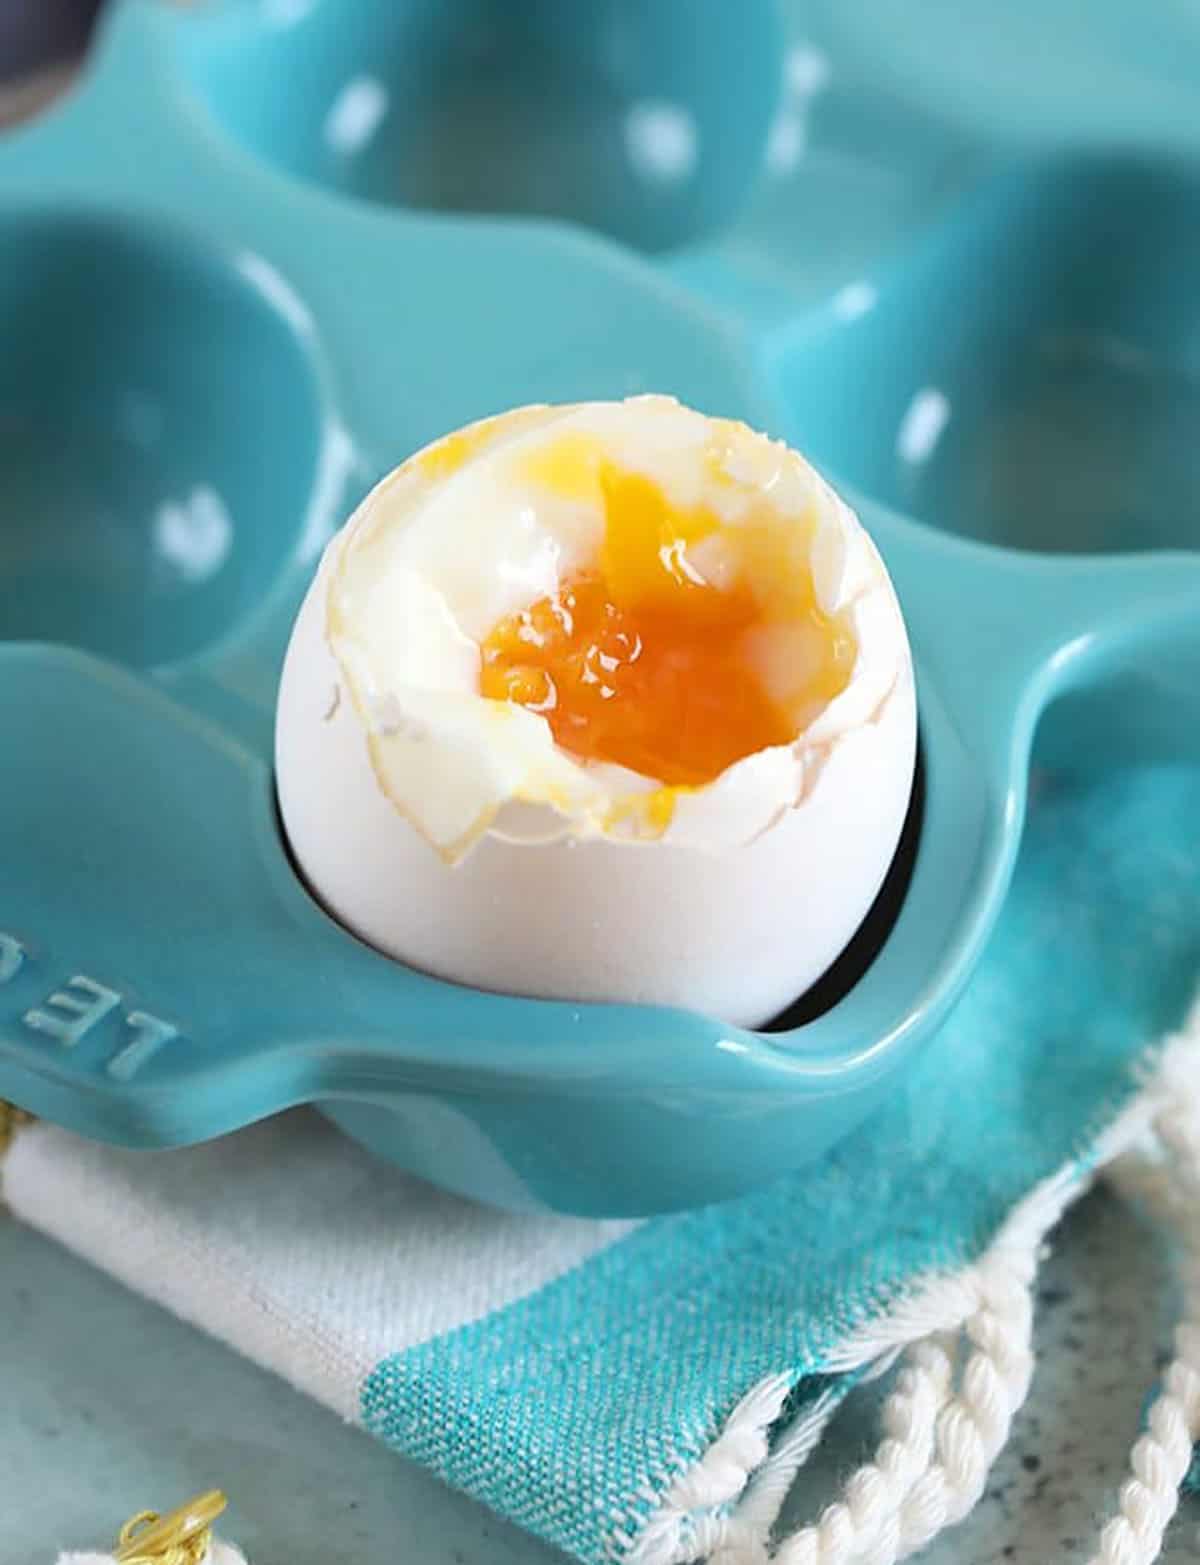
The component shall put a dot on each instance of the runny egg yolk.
(691, 644)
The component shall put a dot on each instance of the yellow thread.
(181, 1538)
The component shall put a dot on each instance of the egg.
(610, 701)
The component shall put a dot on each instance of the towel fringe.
(1164, 1175)
(964, 1343)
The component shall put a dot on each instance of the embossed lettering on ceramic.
(71, 1012)
(150, 1033)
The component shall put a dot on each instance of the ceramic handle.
(147, 913)
(1003, 633)
(1113, 642)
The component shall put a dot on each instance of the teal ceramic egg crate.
(269, 247)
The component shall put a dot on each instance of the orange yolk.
(643, 662)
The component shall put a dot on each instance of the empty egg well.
(1030, 376)
(649, 123)
(159, 431)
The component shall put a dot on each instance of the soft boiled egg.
(610, 701)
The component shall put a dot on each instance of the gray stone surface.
(108, 1405)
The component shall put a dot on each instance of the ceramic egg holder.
(232, 296)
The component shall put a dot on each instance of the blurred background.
(40, 45)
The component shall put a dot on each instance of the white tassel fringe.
(965, 1347)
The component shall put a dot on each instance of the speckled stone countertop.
(108, 1405)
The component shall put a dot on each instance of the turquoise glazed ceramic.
(269, 247)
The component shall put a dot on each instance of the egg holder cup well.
(225, 313)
